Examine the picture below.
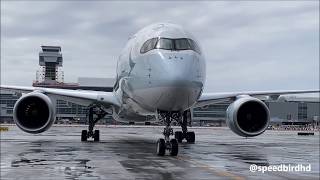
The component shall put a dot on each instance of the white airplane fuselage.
(166, 78)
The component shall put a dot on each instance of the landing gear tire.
(96, 135)
(179, 136)
(191, 137)
(84, 135)
(174, 147)
(161, 147)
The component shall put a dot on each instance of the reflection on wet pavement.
(129, 153)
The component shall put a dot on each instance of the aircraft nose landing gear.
(171, 146)
(166, 143)
(99, 113)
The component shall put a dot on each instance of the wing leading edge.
(211, 98)
(86, 97)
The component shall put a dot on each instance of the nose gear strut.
(166, 144)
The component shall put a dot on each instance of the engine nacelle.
(34, 113)
(248, 116)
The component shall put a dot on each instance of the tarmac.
(128, 152)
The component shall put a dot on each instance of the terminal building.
(288, 110)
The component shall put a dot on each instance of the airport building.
(285, 110)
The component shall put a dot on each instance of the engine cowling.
(248, 116)
(34, 113)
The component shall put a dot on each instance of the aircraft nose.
(179, 69)
(178, 88)
(172, 82)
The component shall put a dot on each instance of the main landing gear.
(95, 114)
(185, 134)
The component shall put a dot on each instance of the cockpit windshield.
(181, 44)
(164, 43)
(170, 44)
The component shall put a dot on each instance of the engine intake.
(248, 116)
(34, 113)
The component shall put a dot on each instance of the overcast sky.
(248, 45)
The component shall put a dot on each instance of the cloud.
(249, 45)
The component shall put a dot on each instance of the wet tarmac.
(129, 153)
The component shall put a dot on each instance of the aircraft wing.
(212, 98)
(77, 96)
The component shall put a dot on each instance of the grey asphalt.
(129, 153)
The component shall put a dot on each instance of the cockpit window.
(181, 44)
(194, 46)
(164, 43)
(170, 44)
(148, 45)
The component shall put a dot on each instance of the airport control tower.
(50, 59)
(50, 72)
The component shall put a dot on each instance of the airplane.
(161, 73)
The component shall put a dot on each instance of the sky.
(248, 45)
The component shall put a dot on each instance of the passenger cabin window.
(170, 44)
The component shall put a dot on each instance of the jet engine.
(34, 112)
(248, 116)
